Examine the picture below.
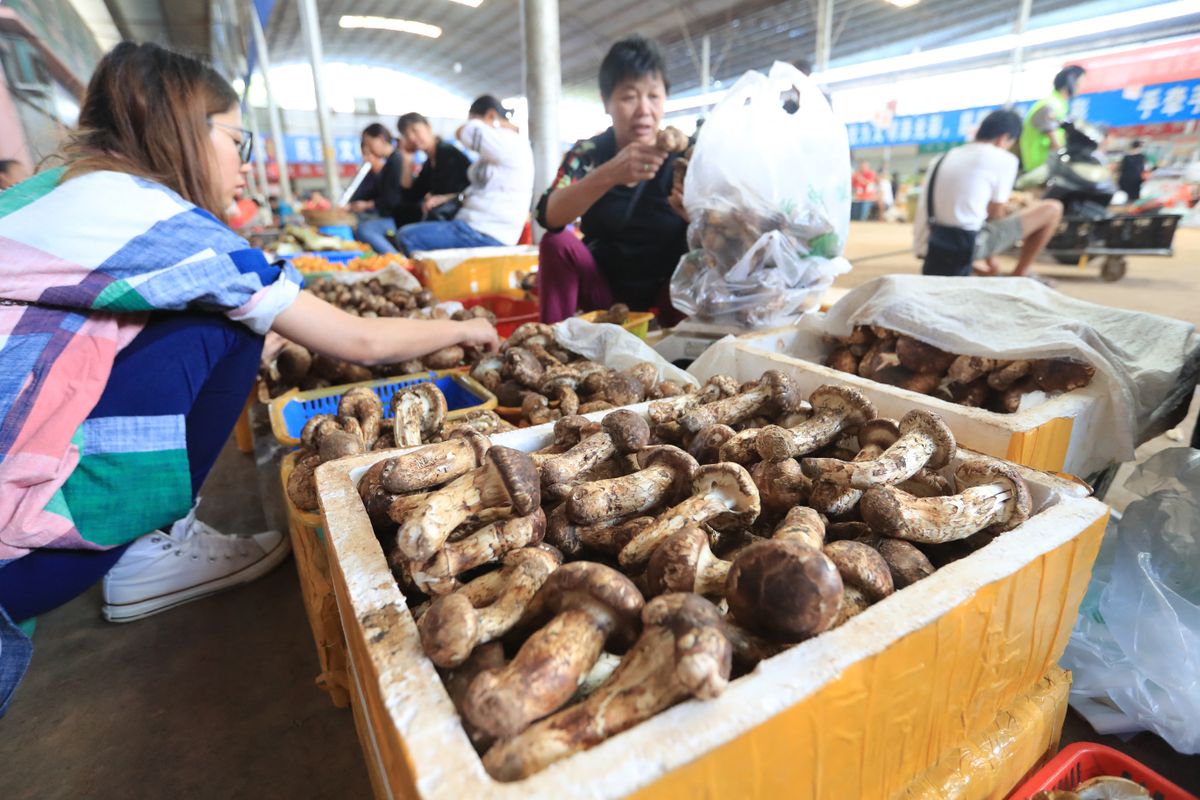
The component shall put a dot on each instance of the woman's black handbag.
(445, 212)
(951, 250)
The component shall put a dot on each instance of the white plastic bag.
(768, 194)
(615, 347)
(1135, 649)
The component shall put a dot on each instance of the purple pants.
(569, 280)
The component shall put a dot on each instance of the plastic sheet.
(615, 347)
(768, 196)
(1135, 649)
(1139, 358)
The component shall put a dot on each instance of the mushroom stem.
(803, 525)
(665, 470)
(835, 500)
(924, 440)
(507, 478)
(681, 653)
(685, 563)
(932, 520)
(623, 432)
(835, 408)
(434, 464)
(438, 575)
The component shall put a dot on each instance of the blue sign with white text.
(1168, 102)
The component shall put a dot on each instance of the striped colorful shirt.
(81, 262)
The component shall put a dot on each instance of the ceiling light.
(471, 3)
(390, 24)
(904, 3)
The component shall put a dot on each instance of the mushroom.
(622, 389)
(705, 445)
(301, 485)
(591, 604)
(906, 563)
(926, 483)
(973, 394)
(457, 680)
(670, 409)
(843, 360)
(904, 378)
(439, 574)
(724, 494)
(432, 465)
(921, 357)
(536, 332)
(487, 372)
(364, 405)
(1009, 400)
(994, 497)
(672, 140)
(773, 389)
(457, 623)
(784, 590)
(879, 357)
(666, 472)
(293, 363)
(1061, 374)
(418, 412)
(445, 358)
(681, 653)
(781, 484)
(592, 406)
(507, 478)
(685, 563)
(623, 431)
(865, 576)
(966, 369)
(346, 439)
(608, 536)
(1005, 376)
(925, 440)
(742, 447)
(835, 408)
(803, 525)
(523, 367)
(874, 437)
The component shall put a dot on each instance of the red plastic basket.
(510, 312)
(1078, 762)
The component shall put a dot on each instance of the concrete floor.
(215, 699)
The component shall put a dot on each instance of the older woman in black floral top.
(620, 184)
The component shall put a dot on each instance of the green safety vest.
(1035, 143)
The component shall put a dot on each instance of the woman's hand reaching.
(480, 334)
(635, 162)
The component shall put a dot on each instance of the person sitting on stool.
(971, 188)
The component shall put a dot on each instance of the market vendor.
(620, 186)
(132, 342)
(431, 187)
(1041, 132)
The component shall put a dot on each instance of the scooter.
(1078, 176)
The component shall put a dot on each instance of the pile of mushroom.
(294, 367)
(995, 384)
(541, 381)
(643, 559)
(414, 415)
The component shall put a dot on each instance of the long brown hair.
(146, 112)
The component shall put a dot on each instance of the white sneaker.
(161, 570)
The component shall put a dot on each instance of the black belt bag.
(951, 250)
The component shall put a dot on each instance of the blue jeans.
(422, 236)
(374, 232)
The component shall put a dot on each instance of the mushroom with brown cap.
(784, 590)
(843, 360)
(966, 369)
(1008, 374)
(865, 576)
(1061, 374)
(590, 604)
(622, 389)
(994, 497)
(434, 464)
(364, 405)
(874, 437)
(742, 447)
(439, 575)
(302, 485)
(487, 372)
(921, 357)
(925, 440)
(523, 367)
(293, 363)
(346, 439)
(774, 390)
(418, 413)
(445, 358)
(507, 478)
(671, 408)
(802, 524)
(666, 472)
(781, 485)
(906, 563)
(455, 624)
(705, 445)
(623, 432)
(835, 408)
(722, 494)
(536, 332)
(681, 653)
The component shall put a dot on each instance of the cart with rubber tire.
(1111, 240)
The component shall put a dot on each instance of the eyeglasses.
(245, 145)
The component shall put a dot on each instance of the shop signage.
(1139, 105)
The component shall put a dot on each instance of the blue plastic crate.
(290, 412)
(332, 256)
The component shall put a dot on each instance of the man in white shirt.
(971, 190)
(495, 207)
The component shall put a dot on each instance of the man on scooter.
(1041, 131)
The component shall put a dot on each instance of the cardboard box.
(1053, 436)
(859, 712)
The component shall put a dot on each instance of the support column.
(543, 86)
(705, 63)
(824, 35)
(260, 154)
(310, 25)
(1018, 56)
(264, 69)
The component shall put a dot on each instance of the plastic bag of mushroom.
(1002, 385)
(652, 556)
(534, 373)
